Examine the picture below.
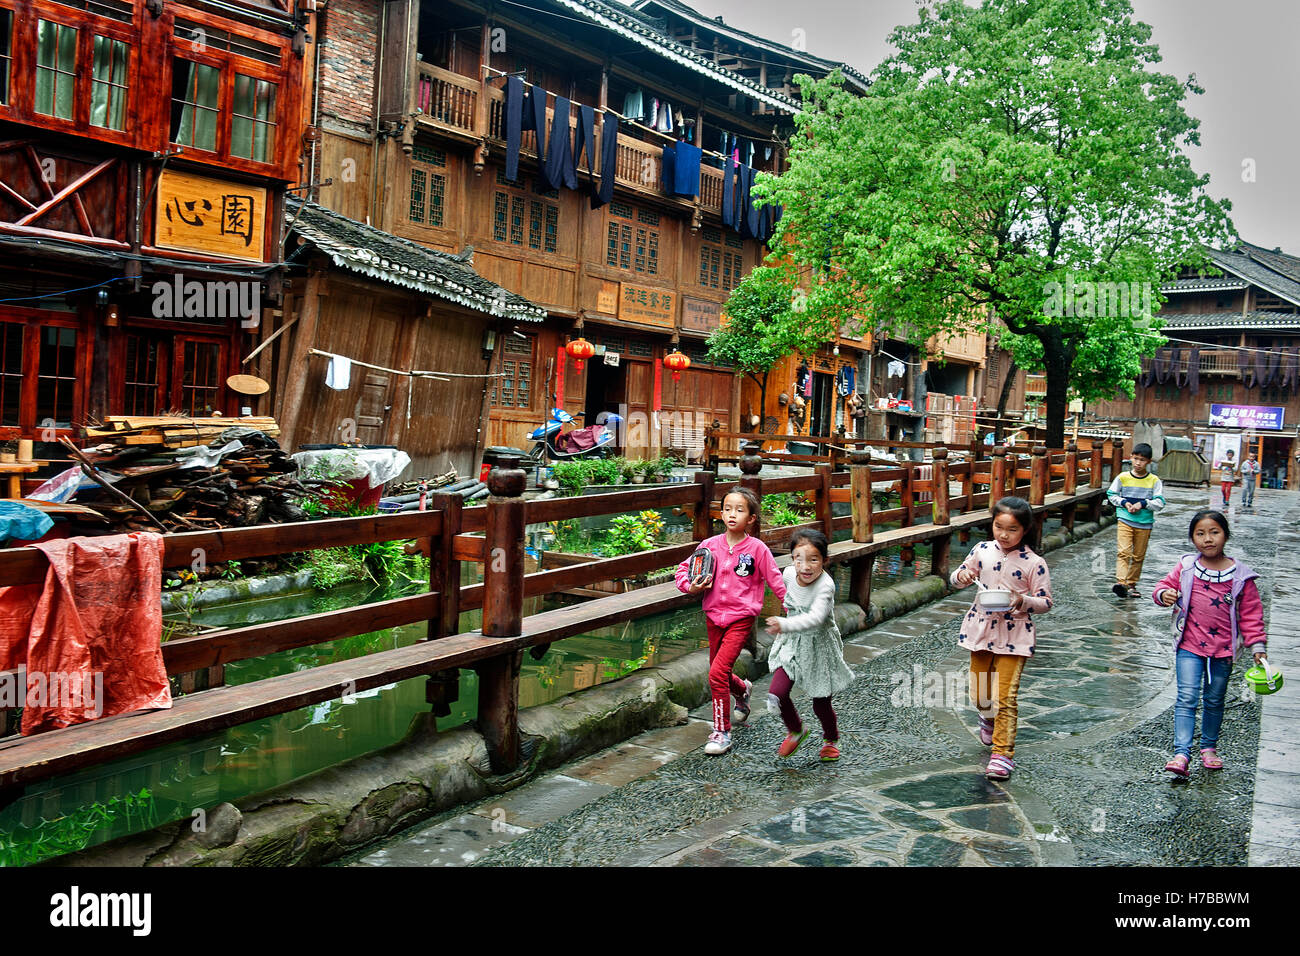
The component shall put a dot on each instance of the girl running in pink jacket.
(742, 565)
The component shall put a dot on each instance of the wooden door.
(198, 375)
(372, 407)
(640, 394)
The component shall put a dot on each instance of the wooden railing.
(1220, 362)
(494, 537)
(445, 99)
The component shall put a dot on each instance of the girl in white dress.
(808, 649)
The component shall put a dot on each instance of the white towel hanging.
(339, 374)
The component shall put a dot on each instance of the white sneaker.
(740, 711)
(719, 743)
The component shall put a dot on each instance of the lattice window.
(734, 241)
(419, 183)
(515, 388)
(649, 218)
(641, 349)
(436, 157)
(200, 378)
(141, 375)
(514, 219)
(437, 195)
(619, 252)
(633, 247)
(56, 68)
(620, 209)
(719, 269)
(613, 343)
(710, 234)
(500, 212)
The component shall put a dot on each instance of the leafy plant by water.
(785, 509)
(24, 846)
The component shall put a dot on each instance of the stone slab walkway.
(1096, 728)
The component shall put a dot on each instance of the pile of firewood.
(180, 474)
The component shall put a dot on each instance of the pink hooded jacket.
(739, 574)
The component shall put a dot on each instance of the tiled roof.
(1209, 284)
(716, 25)
(1242, 262)
(642, 30)
(1276, 260)
(380, 255)
(1253, 320)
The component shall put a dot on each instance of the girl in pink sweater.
(1217, 611)
(734, 597)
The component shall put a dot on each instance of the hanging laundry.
(895, 369)
(728, 192)
(558, 170)
(652, 114)
(767, 153)
(686, 175)
(339, 374)
(667, 168)
(514, 124)
(584, 140)
(534, 117)
(844, 379)
(744, 223)
(634, 106)
(752, 215)
(665, 124)
(803, 383)
(608, 161)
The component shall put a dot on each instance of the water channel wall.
(336, 811)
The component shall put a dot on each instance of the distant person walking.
(1249, 474)
(1227, 476)
(1137, 495)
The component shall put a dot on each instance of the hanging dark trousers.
(558, 170)
(729, 192)
(608, 161)
(584, 140)
(514, 124)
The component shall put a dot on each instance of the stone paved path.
(1096, 727)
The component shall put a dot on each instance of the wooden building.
(1234, 343)
(145, 151)
(413, 133)
(420, 330)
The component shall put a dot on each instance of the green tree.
(768, 318)
(1005, 158)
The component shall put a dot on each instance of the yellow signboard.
(607, 298)
(220, 218)
(646, 306)
(700, 315)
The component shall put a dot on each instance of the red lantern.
(678, 363)
(581, 350)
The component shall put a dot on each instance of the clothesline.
(1223, 348)
(649, 129)
(419, 373)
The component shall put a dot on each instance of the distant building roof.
(1255, 320)
(1276, 272)
(647, 32)
(380, 255)
(716, 25)
(1209, 284)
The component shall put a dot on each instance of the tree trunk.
(1003, 398)
(1058, 358)
(762, 403)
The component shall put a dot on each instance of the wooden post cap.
(1000, 451)
(750, 462)
(1040, 450)
(507, 479)
(940, 453)
(861, 459)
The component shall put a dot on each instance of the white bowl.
(994, 599)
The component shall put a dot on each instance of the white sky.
(1243, 52)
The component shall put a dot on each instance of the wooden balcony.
(449, 103)
(1220, 362)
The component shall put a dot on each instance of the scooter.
(592, 441)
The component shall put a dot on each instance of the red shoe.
(829, 752)
(791, 743)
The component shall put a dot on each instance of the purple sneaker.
(740, 712)
(986, 732)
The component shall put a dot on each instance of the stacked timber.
(181, 474)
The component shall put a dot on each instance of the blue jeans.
(1192, 679)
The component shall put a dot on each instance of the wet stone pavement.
(1096, 727)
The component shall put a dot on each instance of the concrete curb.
(336, 811)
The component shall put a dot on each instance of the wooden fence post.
(942, 545)
(503, 603)
(1116, 457)
(1094, 464)
(703, 508)
(823, 501)
(860, 485)
(998, 476)
(907, 492)
(711, 446)
(1071, 485)
(1039, 475)
(442, 689)
(837, 453)
(750, 465)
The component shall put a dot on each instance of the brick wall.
(349, 43)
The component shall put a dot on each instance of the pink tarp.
(90, 636)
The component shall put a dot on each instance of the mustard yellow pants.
(1132, 552)
(994, 684)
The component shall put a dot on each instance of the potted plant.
(664, 468)
(643, 471)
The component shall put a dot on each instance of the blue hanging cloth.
(514, 124)
(686, 173)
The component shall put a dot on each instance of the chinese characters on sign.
(207, 215)
(647, 306)
(1261, 417)
(700, 315)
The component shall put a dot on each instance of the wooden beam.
(299, 364)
